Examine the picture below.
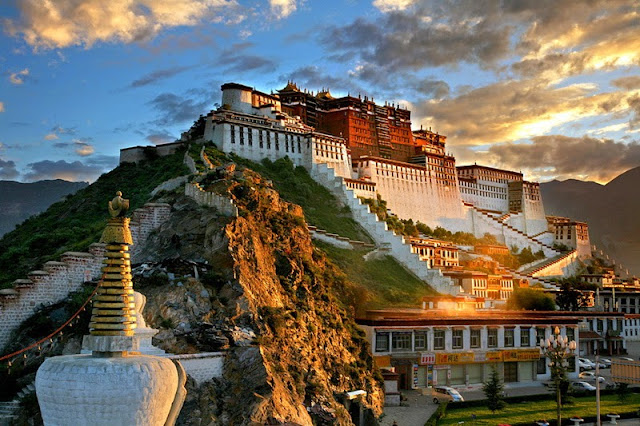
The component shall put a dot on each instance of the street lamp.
(558, 349)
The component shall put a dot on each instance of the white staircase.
(383, 237)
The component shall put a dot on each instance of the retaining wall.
(223, 204)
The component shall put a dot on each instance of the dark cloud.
(159, 138)
(628, 83)
(158, 75)
(406, 40)
(8, 170)
(75, 171)
(243, 63)
(431, 88)
(564, 156)
(103, 162)
(175, 109)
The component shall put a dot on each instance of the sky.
(547, 87)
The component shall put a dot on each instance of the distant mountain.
(611, 211)
(18, 201)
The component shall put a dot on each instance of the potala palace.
(359, 149)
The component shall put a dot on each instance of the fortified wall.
(59, 278)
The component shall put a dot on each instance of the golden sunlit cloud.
(391, 5)
(1, 106)
(282, 8)
(52, 24)
(50, 137)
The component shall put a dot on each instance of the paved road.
(418, 410)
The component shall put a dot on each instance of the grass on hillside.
(380, 282)
(528, 412)
(321, 208)
(77, 221)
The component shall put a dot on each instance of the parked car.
(585, 364)
(606, 362)
(445, 393)
(590, 375)
(624, 358)
(582, 387)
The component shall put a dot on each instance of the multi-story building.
(368, 128)
(461, 347)
(601, 333)
(437, 253)
(570, 233)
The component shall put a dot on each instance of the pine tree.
(493, 391)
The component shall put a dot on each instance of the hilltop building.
(370, 150)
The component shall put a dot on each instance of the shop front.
(470, 368)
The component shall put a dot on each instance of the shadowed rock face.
(610, 210)
(266, 297)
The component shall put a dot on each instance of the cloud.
(159, 138)
(513, 109)
(75, 171)
(628, 83)
(64, 130)
(282, 8)
(392, 5)
(244, 63)
(175, 109)
(18, 77)
(8, 170)
(65, 23)
(562, 157)
(158, 75)
(50, 137)
(1, 106)
(83, 147)
(400, 41)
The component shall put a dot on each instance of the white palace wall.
(411, 194)
(57, 279)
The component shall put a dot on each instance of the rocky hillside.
(22, 200)
(266, 296)
(610, 210)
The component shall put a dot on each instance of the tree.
(529, 299)
(493, 391)
(622, 390)
(570, 298)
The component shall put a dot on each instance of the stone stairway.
(513, 233)
(550, 285)
(548, 263)
(8, 409)
(8, 412)
(395, 245)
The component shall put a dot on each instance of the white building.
(461, 347)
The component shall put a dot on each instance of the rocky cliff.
(255, 287)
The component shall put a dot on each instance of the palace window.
(475, 338)
(539, 335)
(420, 340)
(457, 339)
(509, 337)
(233, 134)
(401, 342)
(382, 342)
(260, 137)
(525, 337)
(438, 339)
(492, 337)
(241, 135)
(250, 136)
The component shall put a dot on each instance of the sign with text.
(427, 359)
(455, 358)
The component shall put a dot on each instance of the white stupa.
(115, 384)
